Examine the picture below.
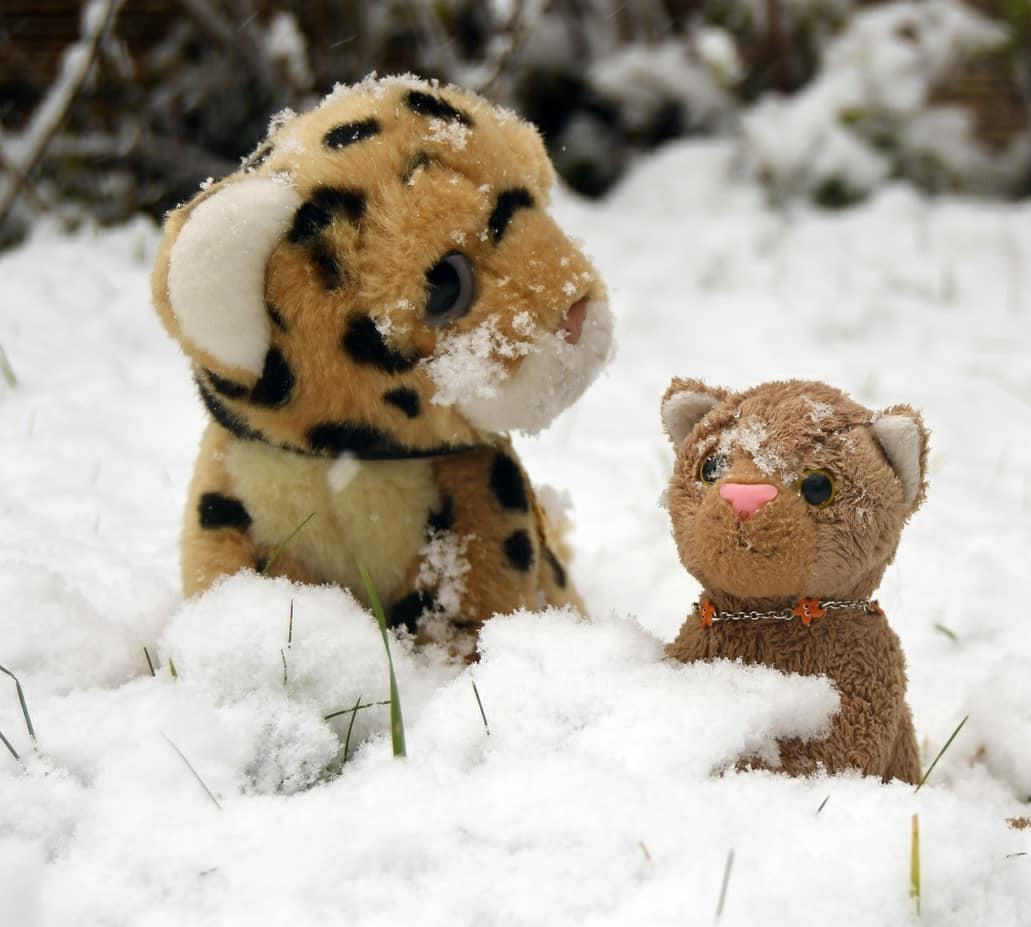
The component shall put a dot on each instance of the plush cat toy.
(787, 502)
(370, 304)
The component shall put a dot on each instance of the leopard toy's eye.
(817, 488)
(450, 289)
(712, 469)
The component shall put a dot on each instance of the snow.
(867, 110)
(605, 792)
(642, 77)
(444, 567)
(285, 44)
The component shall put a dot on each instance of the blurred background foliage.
(113, 107)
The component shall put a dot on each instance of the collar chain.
(805, 609)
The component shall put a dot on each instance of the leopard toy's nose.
(747, 498)
(573, 323)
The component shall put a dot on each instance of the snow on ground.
(597, 797)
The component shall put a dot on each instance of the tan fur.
(789, 550)
(428, 186)
(379, 516)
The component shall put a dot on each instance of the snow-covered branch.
(22, 154)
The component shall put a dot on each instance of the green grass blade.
(290, 626)
(21, 699)
(914, 864)
(397, 724)
(941, 753)
(822, 804)
(350, 726)
(726, 881)
(948, 632)
(278, 549)
(150, 662)
(483, 714)
(282, 653)
(172, 669)
(356, 707)
(196, 775)
(7, 744)
(7, 370)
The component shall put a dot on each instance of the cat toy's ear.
(209, 282)
(685, 404)
(902, 436)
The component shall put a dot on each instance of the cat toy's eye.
(450, 289)
(712, 468)
(817, 488)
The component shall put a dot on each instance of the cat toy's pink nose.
(747, 498)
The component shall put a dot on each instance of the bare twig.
(228, 34)
(515, 30)
(20, 180)
(169, 156)
(50, 114)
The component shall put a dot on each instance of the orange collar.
(805, 609)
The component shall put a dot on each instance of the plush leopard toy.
(787, 503)
(370, 304)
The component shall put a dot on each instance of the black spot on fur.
(276, 382)
(258, 158)
(260, 565)
(407, 611)
(557, 570)
(506, 206)
(417, 160)
(367, 443)
(327, 264)
(519, 550)
(228, 420)
(426, 104)
(407, 400)
(365, 344)
(350, 132)
(228, 388)
(317, 214)
(309, 220)
(218, 511)
(275, 317)
(506, 482)
(443, 519)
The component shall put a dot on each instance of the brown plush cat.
(787, 502)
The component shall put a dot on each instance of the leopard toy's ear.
(685, 404)
(209, 282)
(901, 433)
